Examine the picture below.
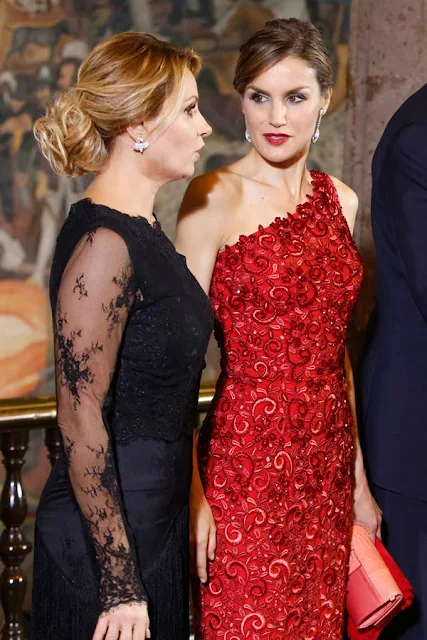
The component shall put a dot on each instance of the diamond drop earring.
(316, 135)
(247, 136)
(141, 145)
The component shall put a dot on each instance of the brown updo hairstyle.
(125, 80)
(279, 39)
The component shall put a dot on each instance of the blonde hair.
(126, 79)
(279, 39)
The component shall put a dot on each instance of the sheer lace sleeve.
(96, 292)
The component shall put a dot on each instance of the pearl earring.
(316, 134)
(247, 136)
(141, 145)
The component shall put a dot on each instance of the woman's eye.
(296, 98)
(190, 109)
(258, 97)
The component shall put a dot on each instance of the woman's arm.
(366, 511)
(199, 229)
(202, 524)
(96, 292)
(359, 468)
(199, 237)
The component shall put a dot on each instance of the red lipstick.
(276, 139)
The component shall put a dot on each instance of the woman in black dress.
(131, 329)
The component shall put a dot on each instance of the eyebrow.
(287, 93)
(196, 98)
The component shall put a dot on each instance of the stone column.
(388, 62)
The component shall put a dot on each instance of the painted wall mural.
(42, 43)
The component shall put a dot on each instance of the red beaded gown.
(276, 449)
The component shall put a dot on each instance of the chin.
(188, 172)
(182, 174)
(280, 155)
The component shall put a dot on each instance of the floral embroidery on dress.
(276, 448)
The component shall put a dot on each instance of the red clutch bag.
(377, 589)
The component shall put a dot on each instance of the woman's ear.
(327, 100)
(136, 132)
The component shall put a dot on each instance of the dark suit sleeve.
(408, 191)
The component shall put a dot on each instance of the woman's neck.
(291, 176)
(124, 188)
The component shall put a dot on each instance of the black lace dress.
(131, 329)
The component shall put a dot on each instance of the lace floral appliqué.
(86, 345)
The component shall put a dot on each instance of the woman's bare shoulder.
(348, 200)
(212, 189)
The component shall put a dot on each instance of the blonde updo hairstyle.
(125, 80)
(280, 39)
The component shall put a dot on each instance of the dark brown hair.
(279, 39)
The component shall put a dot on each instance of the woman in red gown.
(272, 244)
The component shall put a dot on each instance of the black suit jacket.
(393, 389)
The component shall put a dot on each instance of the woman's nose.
(278, 115)
(204, 128)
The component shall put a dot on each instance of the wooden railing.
(17, 418)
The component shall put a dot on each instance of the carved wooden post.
(53, 442)
(13, 547)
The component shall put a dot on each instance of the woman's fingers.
(140, 631)
(380, 519)
(126, 633)
(212, 543)
(113, 631)
(124, 622)
(201, 560)
(101, 628)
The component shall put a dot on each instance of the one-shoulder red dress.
(276, 450)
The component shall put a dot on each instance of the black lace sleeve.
(96, 292)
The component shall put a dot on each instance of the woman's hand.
(202, 535)
(124, 622)
(366, 511)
